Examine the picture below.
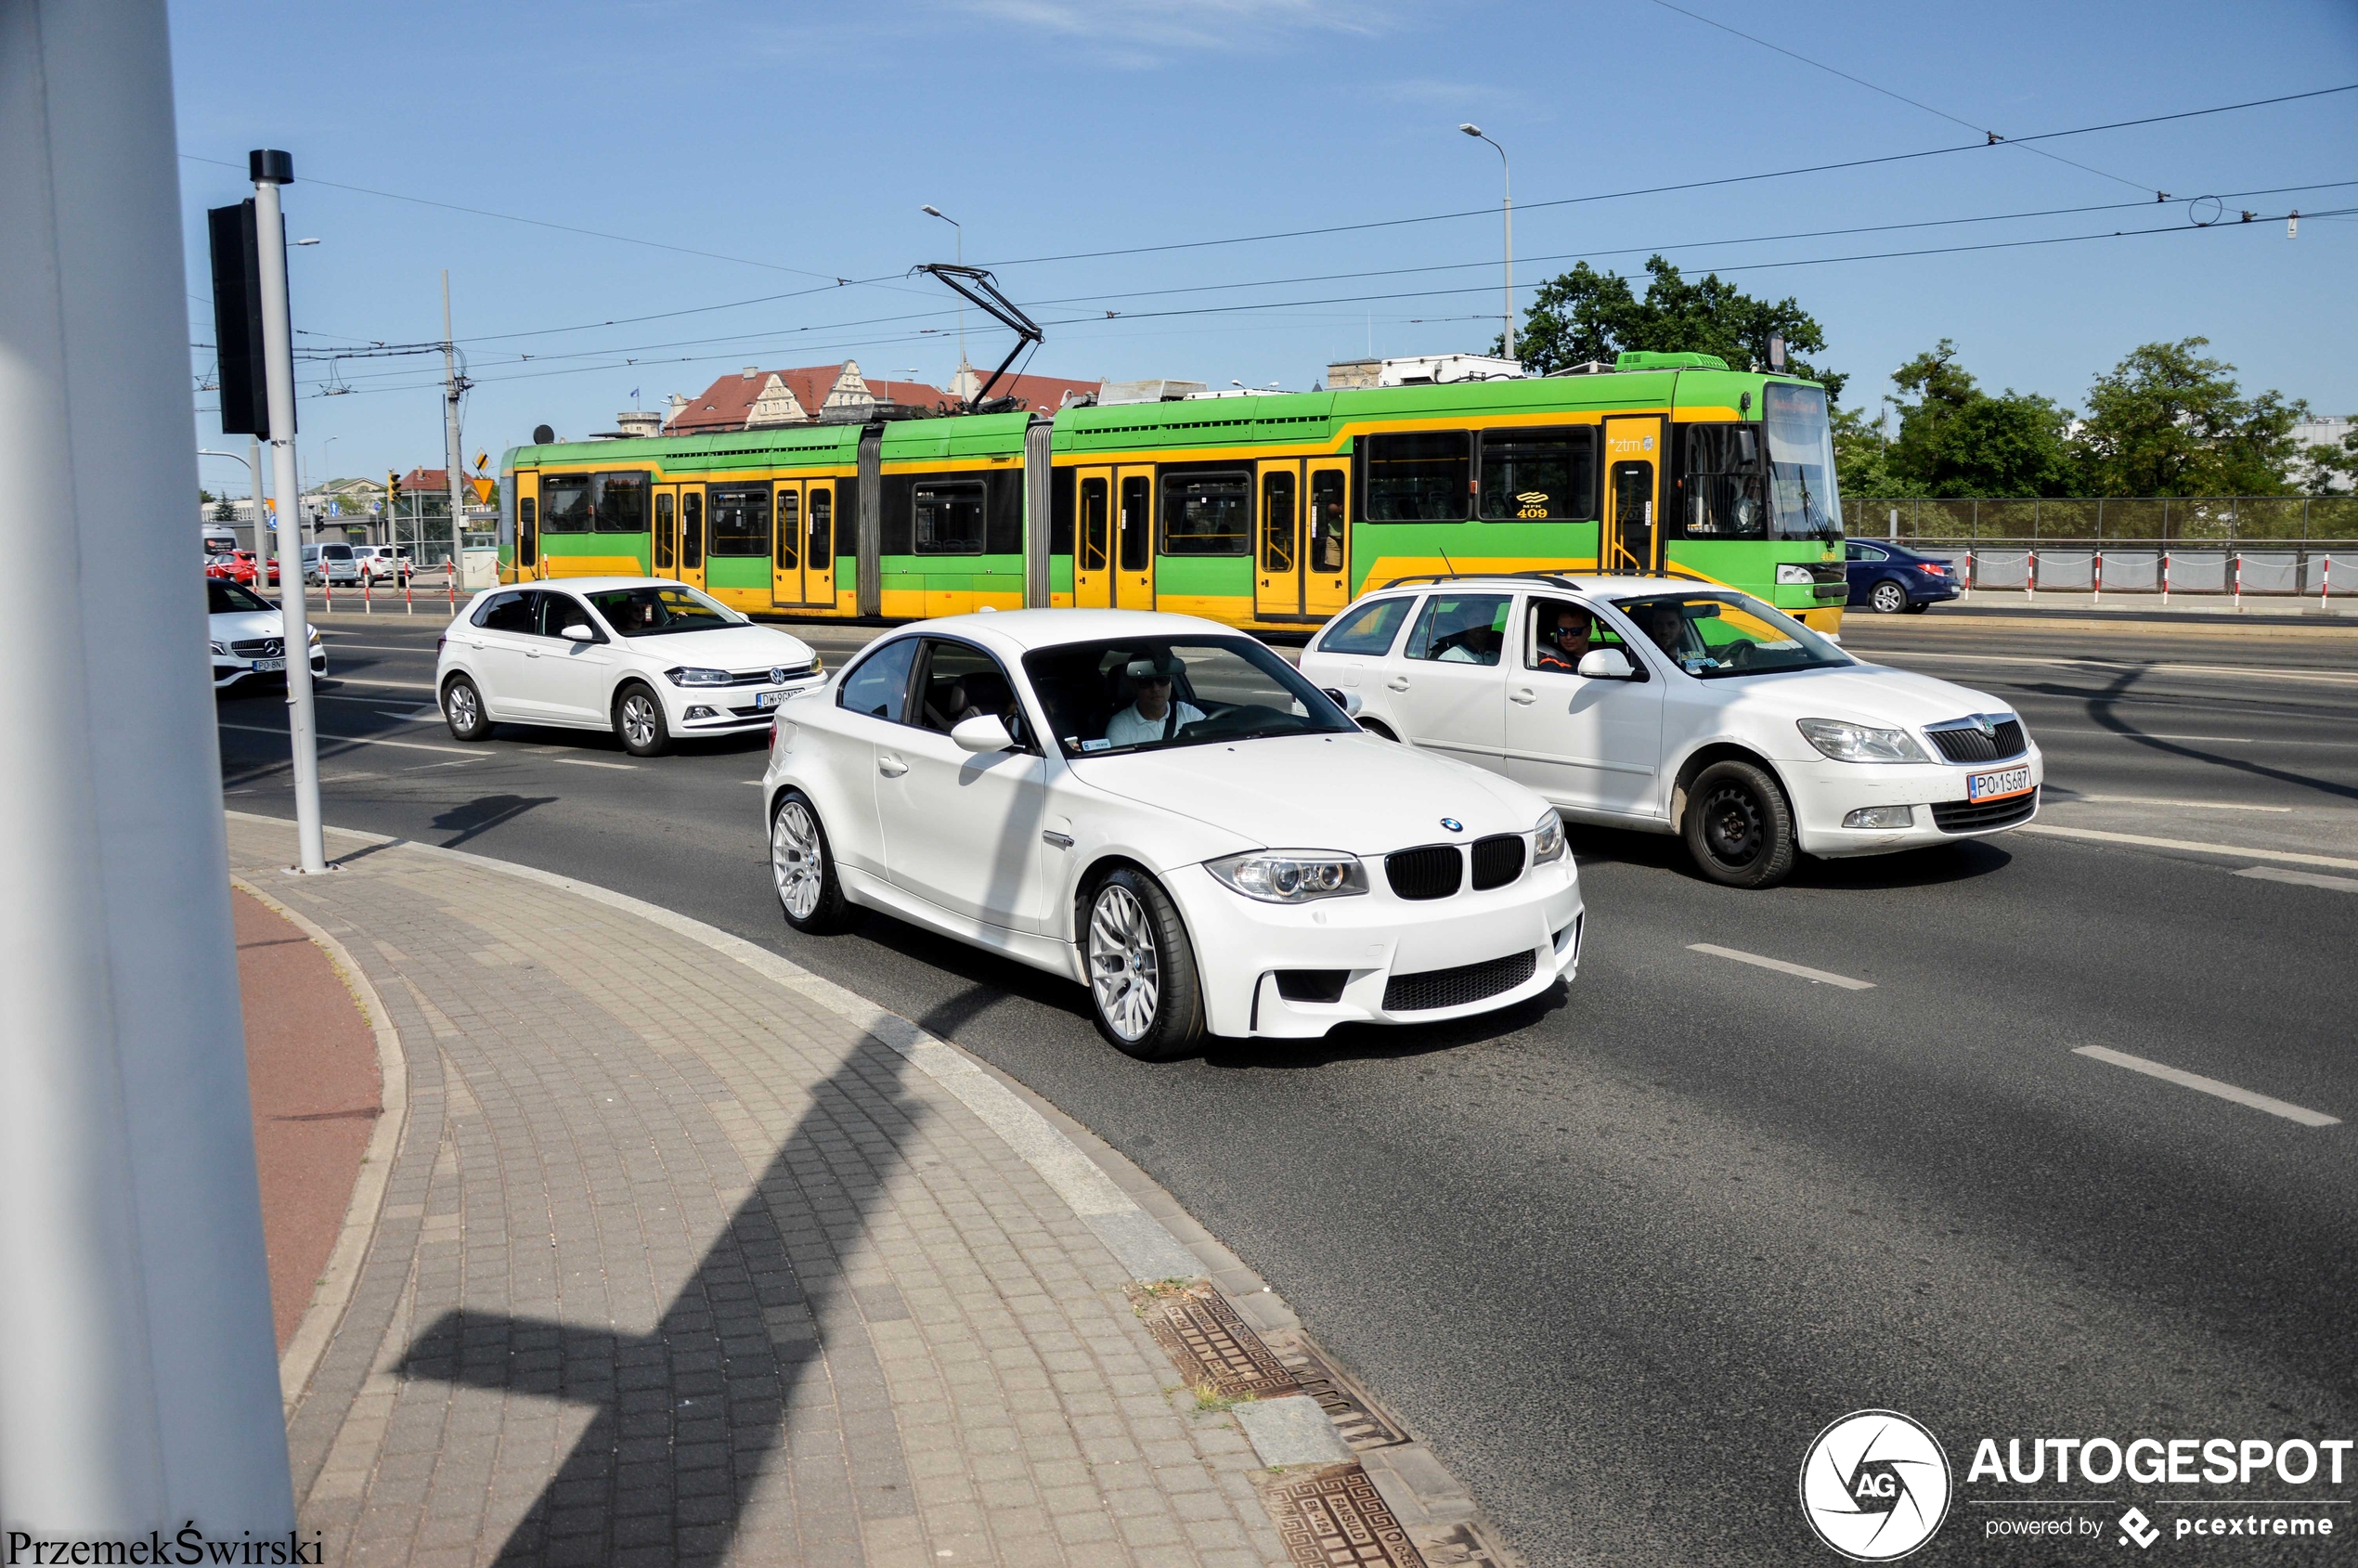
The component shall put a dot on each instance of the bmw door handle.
(1397, 684)
(1523, 694)
(891, 767)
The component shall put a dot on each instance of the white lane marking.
(397, 686)
(358, 740)
(1819, 975)
(2213, 740)
(2302, 879)
(584, 762)
(2246, 851)
(2155, 800)
(2184, 1080)
(374, 647)
(2324, 676)
(756, 782)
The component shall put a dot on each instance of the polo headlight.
(1845, 741)
(688, 675)
(1290, 876)
(1546, 838)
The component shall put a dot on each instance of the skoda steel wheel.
(803, 870)
(1142, 970)
(1738, 827)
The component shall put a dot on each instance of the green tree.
(1862, 458)
(1584, 314)
(1958, 440)
(2168, 421)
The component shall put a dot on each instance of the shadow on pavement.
(479, 816)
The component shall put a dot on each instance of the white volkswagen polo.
(1163, 811)
(1680, 707)
(649, 658)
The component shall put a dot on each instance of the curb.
(1143, 1225)
(334, 1292)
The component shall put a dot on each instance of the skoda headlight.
(1290, 876)
(688, 675)
(1845, 741)
(1546, 838)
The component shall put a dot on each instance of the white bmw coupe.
(1160, 809)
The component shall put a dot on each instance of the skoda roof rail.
(1553, 579)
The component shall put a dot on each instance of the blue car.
(1888, 578)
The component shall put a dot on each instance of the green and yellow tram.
(1266, 512)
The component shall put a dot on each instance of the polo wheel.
(1888, 598)
(802, 867)
(1738, 826)
(462, 710)
(1143, 987)
(638, 723)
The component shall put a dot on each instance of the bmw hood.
(1353, 793)
(728, 647)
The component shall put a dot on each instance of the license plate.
(264, 666)
(766, 699)
(1991, 786)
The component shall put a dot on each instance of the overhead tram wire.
(1671, 189)
(1899, 97)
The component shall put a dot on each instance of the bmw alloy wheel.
(1125, 969)
(796, 860)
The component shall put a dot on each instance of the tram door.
(1631, 542)
(688, 552)
(802, 562)
(1326, 566)
(528, 560)
(1092, 538)
(1133, 551)
(1278, 554)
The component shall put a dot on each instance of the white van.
(332, 565)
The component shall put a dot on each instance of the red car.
(238, 567)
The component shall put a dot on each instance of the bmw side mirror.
(1348, 701)
(983, 734)
(578, 633)
(1606, 664)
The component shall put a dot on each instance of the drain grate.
(1210, 1344)
(1336, 1519)
(1363, 1422)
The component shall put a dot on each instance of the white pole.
(138, 1376)
(277, 354)
(450, 390)
(264, 546)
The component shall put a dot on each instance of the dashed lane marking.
(584, 762)
(2186, 1080)
(1819, 977)
(361, 740)
(2144, 842)
(2299, 879)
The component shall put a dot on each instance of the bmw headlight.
(1845, 741)
(688, 675)
(1546, 838)
(1290, 876)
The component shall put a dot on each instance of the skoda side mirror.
(1606, 664)
(1348, 701)
(982, 733)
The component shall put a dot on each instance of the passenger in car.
(1153, 716)
(1564, 645)
(1476, 644)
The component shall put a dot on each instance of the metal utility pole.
(138, 1375)
(452, 385)
(263, 550)
(1475, 130)
(270, 170)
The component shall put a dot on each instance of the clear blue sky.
(794, 146)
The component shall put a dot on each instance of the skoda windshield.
(1716, 635)
(1802, 500)
(1152, 693)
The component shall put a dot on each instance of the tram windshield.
(1803, 503)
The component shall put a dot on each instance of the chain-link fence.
(2158, 520)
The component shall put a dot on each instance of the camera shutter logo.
(1875, 1485)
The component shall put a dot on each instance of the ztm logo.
(1875, 1485)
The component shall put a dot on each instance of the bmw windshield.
(1153, 693)
(1802, 500)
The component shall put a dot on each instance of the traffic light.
(392, 494)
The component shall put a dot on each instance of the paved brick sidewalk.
(677, 1264)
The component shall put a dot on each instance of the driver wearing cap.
(1151, 718)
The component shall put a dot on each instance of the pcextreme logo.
(1875, 1485)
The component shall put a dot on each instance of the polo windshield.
(1716, 636)
(1802, 500)
(650, 612)
(1153, 693)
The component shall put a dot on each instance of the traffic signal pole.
(451, 387)
(138, 1373)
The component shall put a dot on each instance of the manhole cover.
(1337, 1520)
(1210, 1344)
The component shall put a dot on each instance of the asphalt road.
(1620, 1253)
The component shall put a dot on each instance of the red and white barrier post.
(2030, 573)
(2096, 560)
(2165, 576)
(2239, 581)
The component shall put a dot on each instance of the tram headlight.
(690, 675)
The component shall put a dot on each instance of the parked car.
(1888, 578)
(383, 562)
(249, 636)
(1680, 707)
(332, 565)
(1162, 810)
(646, 658)
(240, 567)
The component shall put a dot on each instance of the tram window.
(823, 527)
(567, 503)
(1137, 525)
(1094, 524)
(949, 516)
(1061, 511)
(1420, 479)
(664, 529)
(528, 531)
(1207, 515)
(1727, 494)
(622, 503)
(740, 521)
(1326, 520)
(691, 529)
(1276, 522)
(1539, 473)
(789, 530)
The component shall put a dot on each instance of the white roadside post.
(271, 169)
(138, 1373)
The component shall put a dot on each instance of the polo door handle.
(1523, 694)
(891, 767)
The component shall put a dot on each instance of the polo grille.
(1458, 987)
(1432, 871)
(1498, 860)
(1981, 816)
(1968, 743)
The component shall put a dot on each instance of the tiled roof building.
(755, 398)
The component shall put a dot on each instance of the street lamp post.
(1507, 170)
(933, 212)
